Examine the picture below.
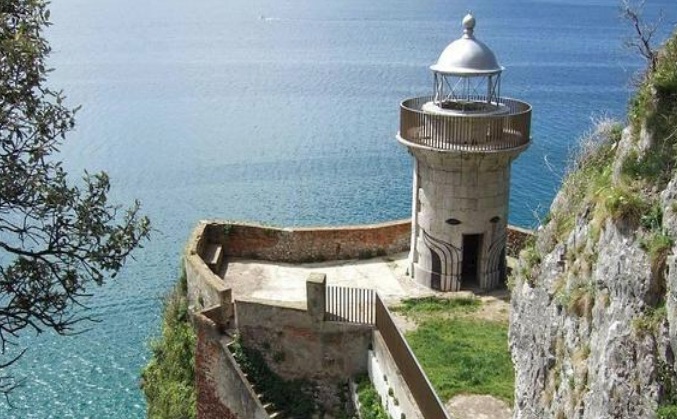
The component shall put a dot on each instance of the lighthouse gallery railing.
(471, 132)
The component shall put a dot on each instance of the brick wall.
(310, 244)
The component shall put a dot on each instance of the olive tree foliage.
(57, 237)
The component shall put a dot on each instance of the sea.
(283, 112)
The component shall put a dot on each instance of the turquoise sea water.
(284, 112)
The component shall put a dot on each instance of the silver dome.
(467, 56)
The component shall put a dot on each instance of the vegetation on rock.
(592, 288)
(168, 381)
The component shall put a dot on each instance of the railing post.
(316, 285)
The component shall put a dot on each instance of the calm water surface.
(282, 111)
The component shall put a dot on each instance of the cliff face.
(593, 327)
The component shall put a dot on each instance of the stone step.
(213, 255)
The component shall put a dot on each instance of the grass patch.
(658, 245)
(667, 408)
(168, 379)
(370, 401)
(462, 355)
(667, 412)
(430, 305)
(650, 321)
(623, 204)
(579, 299)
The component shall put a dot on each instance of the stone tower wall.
(456, 195)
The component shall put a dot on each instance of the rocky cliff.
(593, 328)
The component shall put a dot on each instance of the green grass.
(460, 354)
(465, 356)
(588, 180)
(430, 305)
(657, 244)
(370, 401)
(667, 412)
(168, 379)
(622, 203)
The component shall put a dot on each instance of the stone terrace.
(287, 282)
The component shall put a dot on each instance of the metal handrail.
(474, 132)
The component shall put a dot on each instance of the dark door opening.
(472, 246)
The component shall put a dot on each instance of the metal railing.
(351, 305)
(428, 403)
(359, 305)
(470, 132)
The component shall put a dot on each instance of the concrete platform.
(287, 282)
(253, 279)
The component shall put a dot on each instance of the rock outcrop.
(593, 327)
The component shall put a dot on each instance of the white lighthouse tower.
(463, 138)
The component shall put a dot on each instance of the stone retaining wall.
(389, 382)
(223, 392)
(296, 345)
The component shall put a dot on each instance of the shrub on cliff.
(168, 379)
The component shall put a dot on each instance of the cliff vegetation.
(168, 381)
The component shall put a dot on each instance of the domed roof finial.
(467, 56)
(468, 25)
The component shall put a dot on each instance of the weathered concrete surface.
(205, 288)
(285, 282)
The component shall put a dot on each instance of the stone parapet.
(205, 288)
(300, 245)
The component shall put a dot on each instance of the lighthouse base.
(436, 281)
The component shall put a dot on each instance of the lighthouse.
(463, 138)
